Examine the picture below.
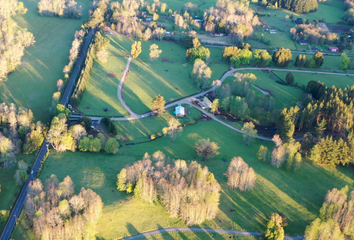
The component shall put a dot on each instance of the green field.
(34, 83)
(297, 195)
(192, 235)
(301, 79)
(284, 96)
(101, 91)
(168, 76)
(9, 189)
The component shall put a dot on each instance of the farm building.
(206, 102)
(299, 21)
(180, 111)
(333, 49)
(219, 34)
(303, 42)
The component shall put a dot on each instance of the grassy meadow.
(9, 189)
(168, 76)
(34, 83)
(297, 195)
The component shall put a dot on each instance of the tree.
(262, 153)
(215, 105)
(158, 104)
(77, 132)
(173, 128)
(319, 59)
(308, 141)
(249, 132)
(245, 56)
(61, 109)
(136, 49)
(58, 136)
(300, 60)
(345, 61)
(239, 175)
(235, 61)
(122, 180)
(275, 230)
(194, 53)
(262, 57)
(282, 57)
(86, 123)
(111, 146)
(290, 78)
(21, 174)
(320, 128)
(206, 149)
(155, 17)
(154, 52)
(102, 55)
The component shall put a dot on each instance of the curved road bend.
(16, 211)
(185, 229)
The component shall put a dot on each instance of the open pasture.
(284, 96)
(298, 196)
(34, 83)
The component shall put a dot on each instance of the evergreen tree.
(290, 78)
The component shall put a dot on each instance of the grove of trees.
(56, 213)
(13, 39)
(187, 191)
(59, 8)
(336, 217)
(239, 175)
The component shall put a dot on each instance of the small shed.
(206, 102)
(333, 49)
(180, 111)
(94, 125)
(303, 42)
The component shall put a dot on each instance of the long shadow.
(131, 229)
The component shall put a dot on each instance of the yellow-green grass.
(301, 79)
(9, 189)
(298, 196)
(34, 83)
(280, 39)
(101, 91)
(284, 96)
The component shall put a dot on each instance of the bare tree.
(174, 127)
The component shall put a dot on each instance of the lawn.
(297, 195)
(301, 79)
(284, 96)
(34, 83)
(168, 76)
(9, 189)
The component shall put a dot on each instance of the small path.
(186, 229)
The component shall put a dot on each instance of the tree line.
(13, 39)
(298, 6)
(59, 8)
(57, 213)
(96, 50)
(186, 190)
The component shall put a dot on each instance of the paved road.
(16, 211)
(77, 68)
(185, 229)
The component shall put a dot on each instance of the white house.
(180, 111)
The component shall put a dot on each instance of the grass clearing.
(34, 83)
(9, 189)
(284, 96)
(297, 195)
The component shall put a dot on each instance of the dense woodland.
(56, 213)
(13, 40)
(187, 191)
(59, 8)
